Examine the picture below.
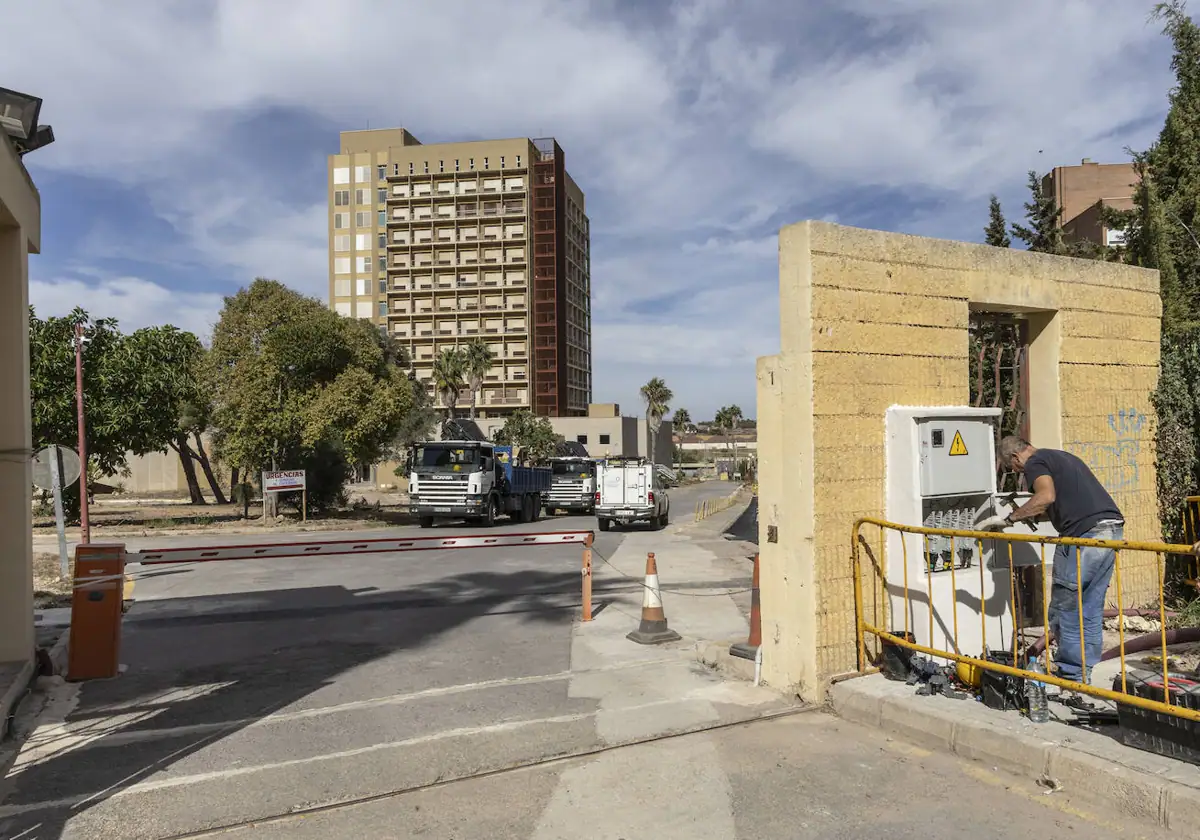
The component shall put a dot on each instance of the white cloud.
(134, 302)
(693, 128)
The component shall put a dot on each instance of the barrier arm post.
(587, 578)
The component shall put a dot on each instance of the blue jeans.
(1096, 567)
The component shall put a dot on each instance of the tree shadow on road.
(207, 667)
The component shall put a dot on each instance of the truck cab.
(572, 485)
(475, 480)
(629, 490)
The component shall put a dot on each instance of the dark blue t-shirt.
(1080, 500)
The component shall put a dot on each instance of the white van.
(628, 490)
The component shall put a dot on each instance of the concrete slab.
(1139, 784)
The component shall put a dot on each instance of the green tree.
(996, 232)
(681, 421)
(535, 436)
(1161, 233)
(478, 359)
(297, 386)
(657, 397)
(170, 362)
(449, 376)
(1043, 231)
(129, 388)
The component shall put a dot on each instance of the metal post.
(587, 578)
(56, 482)
(85, 531)
(304, 503)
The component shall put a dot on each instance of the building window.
(518, 161)
(382, 308)
(341, 221)
(382, 195)
(341, 265)
(441, 166)
(362, 219)
(456, 164)
(383, 240)
(501, 161)
(383, 285)
(604, 440)
(341, 242)
(426, 167)
(362, 174)
(578, 438)
(382, 218)
(471, 162)
(341, 286)
(410, 169)
(341, 175)
(362, 196)
(485, 163)
(362, 265)
(341, 198)
(382, 170)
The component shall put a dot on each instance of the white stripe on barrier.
(336, 547)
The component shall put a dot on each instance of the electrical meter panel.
(956, 513)
(956, 456)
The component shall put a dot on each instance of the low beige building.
(20, 236)
(870, 320)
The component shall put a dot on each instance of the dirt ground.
(49, 589)
(162, 513)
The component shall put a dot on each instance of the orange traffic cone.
(653, 629)
(749, 648)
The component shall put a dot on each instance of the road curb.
(1088, 764)
(13, 693)
(716, 655)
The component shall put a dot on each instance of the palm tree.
(726, 422)
(682, 421)
(449, 369)
(477, 361)
(658, 402)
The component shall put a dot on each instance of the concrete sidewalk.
(1088, 764)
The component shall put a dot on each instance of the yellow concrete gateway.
(20, 236)
(871, 320)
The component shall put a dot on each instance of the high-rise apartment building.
(444, 243)
(1081, 191)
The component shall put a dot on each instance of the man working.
(1078, 506)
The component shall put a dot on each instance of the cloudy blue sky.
(192, 138)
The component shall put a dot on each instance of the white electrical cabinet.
(941, 473)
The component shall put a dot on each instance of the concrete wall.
(871, 319)
(20, 235)
(157, 472)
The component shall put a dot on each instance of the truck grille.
(432, 492)
(566, 491)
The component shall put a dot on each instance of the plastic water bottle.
(1035, 696)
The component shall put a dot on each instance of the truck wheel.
(536, 513)
(604, 524)
(551, 511)
(489, 518)
(666, 518)
(527, 510)
(426, 521)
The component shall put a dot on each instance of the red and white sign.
(282, 481)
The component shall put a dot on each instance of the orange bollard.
(587, 578)
(94, 647)
(749, 648)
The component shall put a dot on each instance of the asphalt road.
(430, 694)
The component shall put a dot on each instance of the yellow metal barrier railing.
(881, 598)
(709, 507)
(1191, 531)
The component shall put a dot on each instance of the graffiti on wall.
(1115, 463)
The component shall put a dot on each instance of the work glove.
(992, 523)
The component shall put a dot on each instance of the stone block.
(852, 703)
(840, 304)
(889, 339)
(1182, 806)
(1003, 746)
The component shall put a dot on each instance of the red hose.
(1039, 644)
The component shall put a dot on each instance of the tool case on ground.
(1157, 732)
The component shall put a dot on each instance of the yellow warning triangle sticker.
(957, 447)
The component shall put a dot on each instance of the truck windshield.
(571, 468)
(445, 458)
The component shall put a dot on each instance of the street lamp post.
(85, 531)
